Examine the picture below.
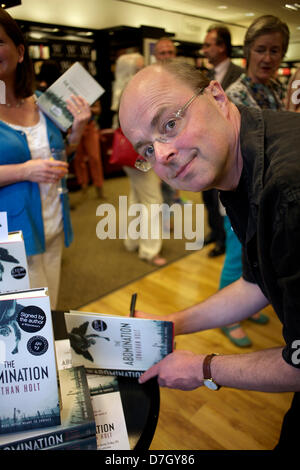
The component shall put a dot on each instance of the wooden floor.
(201, 419)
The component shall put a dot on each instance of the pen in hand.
(132, 305)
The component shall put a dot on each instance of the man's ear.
(219, 95)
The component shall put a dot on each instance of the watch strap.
(206, 366)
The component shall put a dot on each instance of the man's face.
(210, 49)
(165, 50)
(198, 157)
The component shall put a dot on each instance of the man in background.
(217, 49)
(164, 50)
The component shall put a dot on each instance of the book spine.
(115, 372)
(89, 443)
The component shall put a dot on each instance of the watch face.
(210, 384)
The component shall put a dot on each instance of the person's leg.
(216, 222)
(147, 190)
(232, 270)
(44, 269)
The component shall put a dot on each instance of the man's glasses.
(168, 128)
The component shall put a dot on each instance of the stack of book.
(66, 395)
(38, 410)
(77, 430)
(13, 263)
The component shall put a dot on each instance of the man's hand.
(180, 369)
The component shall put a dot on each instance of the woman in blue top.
(28, 176)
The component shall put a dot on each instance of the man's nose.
(164, 152)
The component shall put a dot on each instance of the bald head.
(156, 79)
(183, 125)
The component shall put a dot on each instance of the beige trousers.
(44, 269)
(145, 188)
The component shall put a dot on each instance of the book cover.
(13, 263)
(117, 345)
(77, 417)
(75, 81)
(111, 430)
(29, 396)
(106, 401)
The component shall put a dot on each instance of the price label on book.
(3, 226)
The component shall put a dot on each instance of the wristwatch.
(208, 380)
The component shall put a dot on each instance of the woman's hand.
(44, 171)
(81, 111)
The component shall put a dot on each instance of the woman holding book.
(28, 173)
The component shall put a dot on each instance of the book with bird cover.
(75, 81)
(13, 263)
(117, 345)
(77, 418)
(29, 397)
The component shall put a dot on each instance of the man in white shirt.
(217, 49)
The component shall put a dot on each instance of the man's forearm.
(235, 302)
(264, 371)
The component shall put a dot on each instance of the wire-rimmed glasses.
(169, 129)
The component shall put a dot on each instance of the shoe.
(209, 239)
(217, 251)
(261, 319)
(243, 342)
(157, 261)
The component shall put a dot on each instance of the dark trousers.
(215, 219)
(289, 437)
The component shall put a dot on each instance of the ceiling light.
(249, 14)
(291, 7)
(222, 7)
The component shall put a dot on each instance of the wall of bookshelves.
(61, 44)
(98, 50)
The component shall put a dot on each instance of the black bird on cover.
(5, 256)
(81, 342)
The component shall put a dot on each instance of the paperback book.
(117, 345)
(29, 397)
(77, 418)
(75, 81)
(13, 263)
(111, 430)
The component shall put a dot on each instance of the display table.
(140, 402)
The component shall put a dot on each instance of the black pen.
(132, 305)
